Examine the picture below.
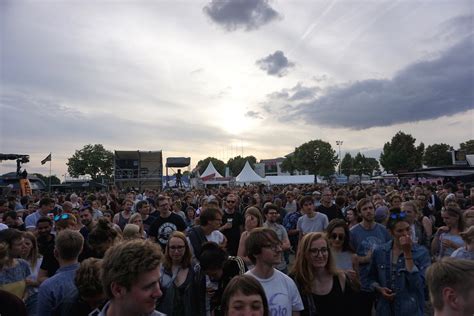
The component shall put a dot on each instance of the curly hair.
(87, 279)
(125, 262)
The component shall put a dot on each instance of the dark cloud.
(253, 114)
(275, 64)
(457, 27)
(422, 91)
(235, 14)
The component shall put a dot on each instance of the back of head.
(212, 256)
(68, 244)
(102, 233)
(123, 263)
(87, 279)
(454, 273)
(131, 231)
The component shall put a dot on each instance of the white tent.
(210, 172)
(303, 179)
(248, 175)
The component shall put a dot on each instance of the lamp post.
(339, 143)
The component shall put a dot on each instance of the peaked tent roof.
(211, 172)
(248, 175)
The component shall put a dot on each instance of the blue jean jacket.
(407, 286)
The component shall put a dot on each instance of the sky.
(231, 77)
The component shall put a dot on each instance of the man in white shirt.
(264, 250)
(311, 221)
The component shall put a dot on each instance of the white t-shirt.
(216, 236)
(282, 294)
(317, 223)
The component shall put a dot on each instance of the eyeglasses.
(231, 201)
(338, 236)
(60, 217)
(318, 251)
(272, 213)
(274, 247)
(395, 216)
(176, 248)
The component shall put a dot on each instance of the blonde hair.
(302, 271)
(255, 212)
(468, 235)
(33, 256)
(135, 216)
(131, 231)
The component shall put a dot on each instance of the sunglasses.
(338, 236)
(395, 216)
(230, 201)
(60, 217)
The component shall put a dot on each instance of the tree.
(288, 164)
(468, 146)
(437, 155)
(401, 154)
(237, 163)
(317, 157)
(92, 160)
(218, 164)
(372, 165)
(347, 164)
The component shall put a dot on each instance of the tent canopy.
(210, 172)
(248, 175)
(302, 179)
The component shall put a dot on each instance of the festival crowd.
(253, 250)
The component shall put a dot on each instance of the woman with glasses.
(323, 289)
(343, 253)
(176, 280)
(397, 270)
(448, 238)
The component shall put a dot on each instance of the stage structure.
(138, 169)
(176, 162)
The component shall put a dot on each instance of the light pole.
(339, 143)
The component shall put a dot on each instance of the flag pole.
(50, 172)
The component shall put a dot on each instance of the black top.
(331, 212)
(336, 302)
(162, 228)
(232, 234)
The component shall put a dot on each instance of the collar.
(70, 267)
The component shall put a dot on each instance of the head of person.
(177, 251)
(315, 254)
(366, 209)
(351, 216)
(451, 286)
(64, 221)
(190, 212)
(86, 215)
(306, 204)
(143, 207)
(253, 218)
(263, 245)
(130, 231)
(231, 202)
(270, 211)
(411, 209)
(163, 204)
(468, 216)
(468, 236)
(127, 205)
(46, 205)
(244, 295)
(452, 217)
(338, 235)
(381, 213)
(88, 283)
(211, 216)
(15, 241)
(10, 219)
(130, 276)
(44, 225)
(68, 245)
(108, 215)
(30, 248)
(136, 219)
(102, 237)
(395, 200)
(212, 260)
(398, 224)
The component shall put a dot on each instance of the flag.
(48, 158)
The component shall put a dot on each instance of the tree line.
(316, 156)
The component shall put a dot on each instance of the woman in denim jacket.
(397, 270)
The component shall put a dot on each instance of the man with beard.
(232, 224)
(328, 208)
(44, 237)
(365, 237)
(87, 220)
(166, 223)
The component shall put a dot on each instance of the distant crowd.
(253, 250)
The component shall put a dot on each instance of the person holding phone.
(397, 270)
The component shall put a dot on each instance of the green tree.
(237, 163)
(317, 157)
(372, 165)
(401, 154)
(288, 164)
(92, 160)
(360, 165)
(437, 155)
(468, 146)
(347, 165)
(218, 164)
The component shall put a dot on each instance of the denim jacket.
(407, 286)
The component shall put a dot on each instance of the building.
(138, 169)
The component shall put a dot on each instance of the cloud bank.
(275, 64)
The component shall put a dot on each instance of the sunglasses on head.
(63, 216)
(401, 215)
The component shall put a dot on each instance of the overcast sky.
(229, 77)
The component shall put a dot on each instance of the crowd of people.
(253, 250)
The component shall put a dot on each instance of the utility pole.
(339, 143)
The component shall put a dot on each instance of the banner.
(25, 187)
